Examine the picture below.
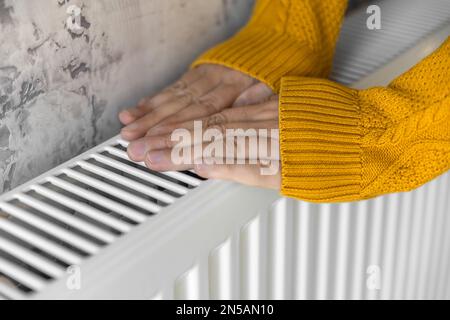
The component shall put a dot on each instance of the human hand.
(247, 164)
(200, 92)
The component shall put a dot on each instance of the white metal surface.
(361, 51)
(54, 222)
(137, 234)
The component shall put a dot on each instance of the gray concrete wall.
(61, 86)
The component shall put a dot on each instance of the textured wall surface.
(61, 85)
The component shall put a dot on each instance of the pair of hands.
(222, 99)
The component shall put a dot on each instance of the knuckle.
(173, 119)
(270, 110)
(179, 85)
(156, 130)
(167, 141)
(157, 115)
(142, 102)
(216, 119)
(185, 96)
(269, 114)
(155, 100)
(219, 127)
(210, 104)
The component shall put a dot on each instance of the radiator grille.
(361, 51)
(300, 250)
(71, 212)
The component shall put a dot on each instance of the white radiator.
(101, 226)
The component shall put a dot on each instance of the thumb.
(257, 93)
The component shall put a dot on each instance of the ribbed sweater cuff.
(265, 55)
(320, 136)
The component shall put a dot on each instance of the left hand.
(247, 165)
(200, 92)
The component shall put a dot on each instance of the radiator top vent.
(68, 214)
(361, 51)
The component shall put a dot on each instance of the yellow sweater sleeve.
(283, 37)
(341, 144)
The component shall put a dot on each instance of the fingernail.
(137, 149)
(155, 157)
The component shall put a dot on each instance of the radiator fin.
(68, 214)
(360, 51)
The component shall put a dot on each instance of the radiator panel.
(288, 250)
(361, 51)
(69, 214)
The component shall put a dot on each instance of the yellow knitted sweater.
(337, 143)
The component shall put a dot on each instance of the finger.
(184, 159)
(236, 150)
(148, 103)
(144, 106)
(264, 129)
(129, 115)
(187, 78)
(264, 111)
(260, 112)
(212, 102)
(255, 94)
(164, 160)
(181, 99)
(249, 174)
(254, 128)
(137, 149)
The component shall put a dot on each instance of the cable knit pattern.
(284, 37)
(341, 144)
(337, 143)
